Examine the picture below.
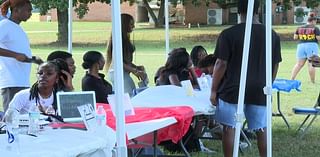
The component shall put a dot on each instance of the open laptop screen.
(67, 103)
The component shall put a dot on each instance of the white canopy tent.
(117, 47)
(244, 67)
(121, 148)
(119, 90)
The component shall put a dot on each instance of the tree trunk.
(62, 27)
(150, 11)
(161, 15)
(285, 17)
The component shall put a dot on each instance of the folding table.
(62, 143)
(154, 125)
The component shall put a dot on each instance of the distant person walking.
(128, 49)
(15, 76)
(308, 36)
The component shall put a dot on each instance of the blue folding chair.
(310, 112)
(284, 85)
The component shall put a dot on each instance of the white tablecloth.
(170, 95)
(138, 129)
(63, 143)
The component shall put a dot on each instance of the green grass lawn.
(150, 46)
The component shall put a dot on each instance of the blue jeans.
(256, 115)
(306, 50)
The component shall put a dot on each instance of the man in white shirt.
(14, 43)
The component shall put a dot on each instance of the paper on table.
(128, 108)
(88, 116)
(186, 84)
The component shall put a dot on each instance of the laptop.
(68, 102)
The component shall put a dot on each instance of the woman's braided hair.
(34, 90)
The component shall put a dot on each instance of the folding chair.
(314, 111)
(138, 90)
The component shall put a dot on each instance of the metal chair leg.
(279, 111)
(307, 128)
(302, 124)
(246, 138)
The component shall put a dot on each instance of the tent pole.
(70, 26)
(268, 88)
(243, 77)
(121, 148)
(166, 14)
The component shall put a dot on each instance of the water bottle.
(101, 116)
(209, 79)
(12, 129)
(203, 82)
(34, 116)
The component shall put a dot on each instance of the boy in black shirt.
(226, 78)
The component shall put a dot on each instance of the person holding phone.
(67, 64)
(14, 43)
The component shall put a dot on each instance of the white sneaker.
(243, 145)
(207, 134)
(205, 149)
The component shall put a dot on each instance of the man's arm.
(218, 73)
(18, 56)
(275, 71)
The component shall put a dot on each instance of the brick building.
(97, 12)
(186, 14)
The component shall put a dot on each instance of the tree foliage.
(81, 8)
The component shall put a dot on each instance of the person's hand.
(213, 98)
(141, 75)
(46, 110)
(141, 68)
(67, 81)
(20, 57)
(37, 60)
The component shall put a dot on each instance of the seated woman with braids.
(42, 93)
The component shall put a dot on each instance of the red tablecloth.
(175, 132)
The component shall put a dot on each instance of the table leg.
(185, 151)
(155, 144)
